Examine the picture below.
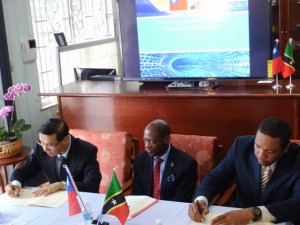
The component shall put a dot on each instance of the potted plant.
(11, 137)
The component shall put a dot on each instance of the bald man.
(178, 170)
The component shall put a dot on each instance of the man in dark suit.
(54, 142)
(178, 170)
(276, 199)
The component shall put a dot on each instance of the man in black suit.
(54, 142)
(274, 199)
(178, 170)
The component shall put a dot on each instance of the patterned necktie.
(62, 170)
(156, 178)
(265, 177)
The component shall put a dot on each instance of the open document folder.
(54, 200)
(139, 203)
(210, 216)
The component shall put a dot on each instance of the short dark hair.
(55, 126)
(162, 127)
(276, 128)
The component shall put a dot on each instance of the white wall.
(28, 106)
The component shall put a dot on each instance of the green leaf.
(18, 125)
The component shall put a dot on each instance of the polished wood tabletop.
(129, 88)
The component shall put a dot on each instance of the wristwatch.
(256, 212)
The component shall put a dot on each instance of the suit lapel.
(169, 167)
(282, 168)
(149, 175)
(256, 174)
(53, 172)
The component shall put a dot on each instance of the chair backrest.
(297, 141)
(204, 149)
(115, 149)
(94, 73)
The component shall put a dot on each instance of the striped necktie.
(156, 178)
(267, 172)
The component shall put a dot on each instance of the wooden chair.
(115, 149)
(296, 141)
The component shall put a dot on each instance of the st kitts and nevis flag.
(74, 207)
(288, 59)
(277, 62)
(115, 203)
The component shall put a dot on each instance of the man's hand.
(197, 211)
(12, 190)
(235, 217)
(46, 189)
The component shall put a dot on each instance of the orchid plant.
(14, 131)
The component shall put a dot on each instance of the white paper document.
(139, 203)
(54, 200)
(210, 216)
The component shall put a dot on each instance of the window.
(80, 21)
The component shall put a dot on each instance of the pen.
(200, 210)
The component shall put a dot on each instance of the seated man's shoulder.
(80, 143)
(141, 155)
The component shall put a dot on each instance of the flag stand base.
(99, 223)
(276, 86)
(289, 86)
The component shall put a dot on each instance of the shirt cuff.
(17, 183)
(203, 198)
(266, 215)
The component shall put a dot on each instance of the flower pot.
(11, 149)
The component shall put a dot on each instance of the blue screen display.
(173, 39)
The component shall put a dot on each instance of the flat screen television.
(195, 39)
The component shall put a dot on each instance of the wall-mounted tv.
(195, 39)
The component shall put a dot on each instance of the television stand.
(208, 84)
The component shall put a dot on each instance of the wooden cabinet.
(235, 108)
(285, 18)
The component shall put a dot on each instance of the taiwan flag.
(288, 59)
(115, 203)
(74, 207)
(277, 62)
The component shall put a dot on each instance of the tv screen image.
(179, 39)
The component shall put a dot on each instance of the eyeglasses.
(51, 147)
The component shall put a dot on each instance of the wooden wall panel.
(223, 116)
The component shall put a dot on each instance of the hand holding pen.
(197, 211)
(12, 190)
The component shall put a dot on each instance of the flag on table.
(277, 62)
(115, 203)
(288, 59)
(74, 207)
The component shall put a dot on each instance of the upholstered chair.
(204, 149)
(116, 149)
(296, 141)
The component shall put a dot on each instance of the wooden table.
(14, 160)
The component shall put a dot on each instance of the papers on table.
(139, 203)
(54, 200)
(210, 216)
